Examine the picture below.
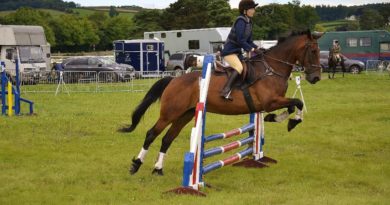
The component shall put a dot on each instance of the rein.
(270, 71)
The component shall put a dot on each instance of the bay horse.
(179, 96)
(333, 61)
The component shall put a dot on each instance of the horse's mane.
(292, 34)
(283, 39)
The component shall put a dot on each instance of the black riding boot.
(225, 93)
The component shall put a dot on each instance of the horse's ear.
(316, 35)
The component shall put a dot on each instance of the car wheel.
(178, 72)
(354, 69)
(110, 77)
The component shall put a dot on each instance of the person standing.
(239, 38)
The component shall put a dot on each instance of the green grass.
(332, 25)
(71, 153)
(82, 12)
(87, 12)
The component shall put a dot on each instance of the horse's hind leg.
(151, 135)
(167, 140)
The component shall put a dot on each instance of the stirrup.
(227, 96)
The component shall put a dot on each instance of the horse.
(179, 96)
(333, 61)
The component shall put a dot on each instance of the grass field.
(82, 12)
(71, 153)
(332, 25)
(87, 12)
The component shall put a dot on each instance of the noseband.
(314, 68)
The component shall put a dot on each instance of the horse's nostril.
(316, 79)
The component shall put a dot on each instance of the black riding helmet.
(245, 5)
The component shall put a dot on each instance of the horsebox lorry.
(28, 45)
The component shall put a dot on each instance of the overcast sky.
(160, 4)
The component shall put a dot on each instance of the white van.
(28, 45)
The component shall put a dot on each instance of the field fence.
(104, 81)
(378, 66)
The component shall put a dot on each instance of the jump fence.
(194, 167)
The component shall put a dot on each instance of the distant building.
(351, 18)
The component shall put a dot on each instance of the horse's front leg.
(290, 104)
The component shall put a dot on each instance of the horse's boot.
(135, 165)
(225, 93)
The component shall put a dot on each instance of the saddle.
(248, 77)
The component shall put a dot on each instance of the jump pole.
(10, 95)
(193, 170)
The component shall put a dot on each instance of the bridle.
(314, 68)
(270, 70)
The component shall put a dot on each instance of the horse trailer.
(359, 45)
(145, 55)
(208, 40)
(27, 45)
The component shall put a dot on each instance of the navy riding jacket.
(240, 37)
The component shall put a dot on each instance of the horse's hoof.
(292, 123)
(135, 166)
(270, 117)
(158, 172)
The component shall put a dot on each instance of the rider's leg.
(234, 62)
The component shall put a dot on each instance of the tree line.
(332, 13)
(59, 5)
(71, 33)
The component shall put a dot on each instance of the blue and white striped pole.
(192, 173)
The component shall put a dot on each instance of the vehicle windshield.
(31, 54)
(107, 61)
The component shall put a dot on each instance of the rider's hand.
(259, 51)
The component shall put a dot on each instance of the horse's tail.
(152, 96)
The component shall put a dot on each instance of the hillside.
(82, 11)
(333, 25)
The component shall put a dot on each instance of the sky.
(160, 4)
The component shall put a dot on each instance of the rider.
(336, 51)
(240, 37)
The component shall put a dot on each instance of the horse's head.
(309, 56)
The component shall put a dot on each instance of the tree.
(115, 28)
(272, 21)
(98, 20)
(146, 20)
(219, 13)
(28, 16)
(371, 19)
(186, 14)
(74, 34)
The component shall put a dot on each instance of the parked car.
(106, 69)
(352, 66)
(179, 61)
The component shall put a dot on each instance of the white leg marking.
(282, 116)
(299, 115)
(160, 160)
(142, 154)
